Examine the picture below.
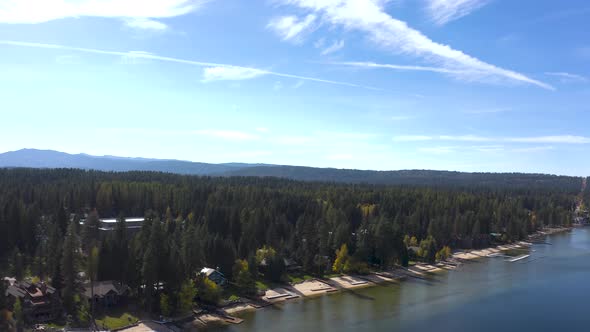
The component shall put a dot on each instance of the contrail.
(152, 56)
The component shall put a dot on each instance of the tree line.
(247, 226)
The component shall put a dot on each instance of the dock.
(516, 259)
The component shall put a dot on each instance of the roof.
(208, 271)
(35, 291)
(102, 288)
(114, 220)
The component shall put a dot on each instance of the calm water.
(550, 291)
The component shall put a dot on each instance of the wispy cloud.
(412, 138)
(291, 28)
(334, 47)
(230, 73)
(152, 56)
(231, 135)
(39, 11)
(135, 58)
(444, 11)
(565, 139)
(568, 77)
(277, 86)
(145, 24)
(489, 110)
(401, 117)
(370, 65)
(391, 34)
(340, 156)
(298, 84)
(556, 139)
(483, 148)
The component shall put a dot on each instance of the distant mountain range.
(54, 159)
(33, 158)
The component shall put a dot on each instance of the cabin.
(133, 224)
(106, 293)
(40, 302)
(214, 275)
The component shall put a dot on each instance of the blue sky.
(469, 85)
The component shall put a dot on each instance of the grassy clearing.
(262, 285)
(115, 319)
(294, 279)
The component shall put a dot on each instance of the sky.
(466, 85)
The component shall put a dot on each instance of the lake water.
(550, 291)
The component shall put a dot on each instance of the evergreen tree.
(18, 315)
(69, 268)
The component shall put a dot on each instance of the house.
(108, 225)
(106, 293)
(39, 301)
(290, 264)
(132, 224)
(214, 275)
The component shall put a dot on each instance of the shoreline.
(319, 287)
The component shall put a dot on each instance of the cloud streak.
(555, 139)
(40, 11)
(227, 73)
(389, 33)
(336, 46)
(568, 77)
(146, 24)
(230, 135)
(151, 56)
(291, 28)
(444, 11)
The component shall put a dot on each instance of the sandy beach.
(317, 287)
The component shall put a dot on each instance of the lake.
(549, 291)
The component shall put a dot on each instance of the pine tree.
(69, 262)
(19, 315)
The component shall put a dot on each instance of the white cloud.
(135, 58)
(39, 11)
(298, 84)
(556, 139)
(568, 77)
(445, 11)
(565, 139)
(291, 28)
(277, 86)
(483, 148)
(145, 24)
(464, 138)
(67, 59)
(438, 149)
(320, 43)
(396, 36)
(533, 149)
(489, 110)
(412, 138)
(230, 73)
(230, 135)
(340, 156)
(151, 56)
(370, 65)
(336, 46)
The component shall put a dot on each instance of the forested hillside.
(427, 178)
(201, 221)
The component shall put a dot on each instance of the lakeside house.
(106, 293)
(132, 224)
(40, 302)
(214, 275)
